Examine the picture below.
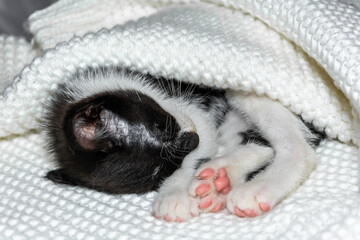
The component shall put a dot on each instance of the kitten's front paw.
(175, 206)
(210, 188)
(250, 200)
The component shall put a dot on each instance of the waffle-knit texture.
(84, 16)
(215, 43)
(325, 207)
(15, 53)
(200, 43)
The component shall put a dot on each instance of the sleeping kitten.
(202, 148)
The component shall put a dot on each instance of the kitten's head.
(117, 142)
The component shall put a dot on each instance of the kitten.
(203, 149)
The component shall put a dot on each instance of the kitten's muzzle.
(186, 143)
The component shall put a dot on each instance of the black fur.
(254, 173)
(253, 136)
(208, 99)
(318, 135)
(120, 141)
(201, 161)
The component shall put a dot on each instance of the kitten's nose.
(187, 142)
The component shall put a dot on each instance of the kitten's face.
(123, 142)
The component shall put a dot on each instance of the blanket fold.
(14, 55)
(303, 54)
(199, 43)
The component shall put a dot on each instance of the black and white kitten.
(202, 148)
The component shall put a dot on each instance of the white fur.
(292, 160)
(173, 198)
(292, 157)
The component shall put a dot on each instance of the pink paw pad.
(264, 206)
(222, 173)
(221, 182)
(226, 190)
(245, 213)
(217, 208)
(167, 218)
(206, 173)
(202, 189)
(205, 202)
(212, 185)
(250, 212)
(239, 212)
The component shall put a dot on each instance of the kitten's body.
(122, 132)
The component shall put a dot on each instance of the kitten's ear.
(62, 177)
(86, 125)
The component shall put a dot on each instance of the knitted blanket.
(304, 54)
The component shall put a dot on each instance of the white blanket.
(221, 43)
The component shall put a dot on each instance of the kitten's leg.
(214, 179)
(293, 162)
(173, 202)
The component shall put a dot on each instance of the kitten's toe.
(176, 206)
(212, 203)
(210, 187)
(249, 200)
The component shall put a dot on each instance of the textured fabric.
(14, 54)
(48, 25)
(214, 43)
(325, 207)
(201, 43)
